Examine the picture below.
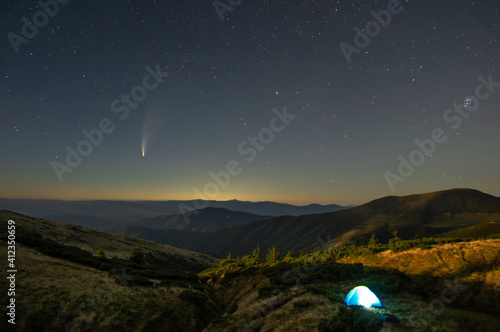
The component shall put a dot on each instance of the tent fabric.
(362, 296)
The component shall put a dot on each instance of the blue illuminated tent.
(362, 296)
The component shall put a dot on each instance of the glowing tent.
(362, 296)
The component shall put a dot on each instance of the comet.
(144, 143)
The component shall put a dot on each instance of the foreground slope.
(62, 287)
(112, 244)
(449, 287)
(64, 284)
(54, 294)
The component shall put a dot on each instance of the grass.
(113, 245)
(53, 292)
(61, 282)
(482, 231)
(406, 281)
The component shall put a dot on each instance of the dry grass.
(52, 293)
(454, 259)
(476, 264)
(112, 244)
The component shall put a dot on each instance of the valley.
(277, 274)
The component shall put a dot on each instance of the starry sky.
(189, 89)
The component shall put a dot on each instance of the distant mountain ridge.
(104, 215)
(413, 216)
(205, 220)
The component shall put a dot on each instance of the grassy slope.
(52, 293)
(478, 231)
(476, 264)
(112, 244)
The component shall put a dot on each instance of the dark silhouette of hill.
(205, 220)
(104, 215)
(483, 230)
(413, 216)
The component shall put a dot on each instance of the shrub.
(271, 290)
(302, 304)
(136, 255)
(100, 254)
(374, 244)
(333, 293)
(289, 257)
(352, 319)
(274, 256)
(193, 297)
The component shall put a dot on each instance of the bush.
(193, 297)
(139, 281)
(273, 257)
(271, 290)
(136, 255)
(302, 304)
(100, 254)
(333, 293)
(352, 319)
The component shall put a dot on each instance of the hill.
(413, 216)
(113, 245)
(62, 284)
(421, 215)
(447, 287)
(205, 220)
(483, 230)
(104, 215)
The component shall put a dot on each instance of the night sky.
(208, 93)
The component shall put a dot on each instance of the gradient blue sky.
(225, 77)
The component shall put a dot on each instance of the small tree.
(394, 242)
(274, 256)
(290, 256)
(100, 253)
(226, 261)
(373, 243)
(256, 253)
(137, 255)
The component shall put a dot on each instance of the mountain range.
(105, 215)
(76, 278)
(205, 220)
(413, 216)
